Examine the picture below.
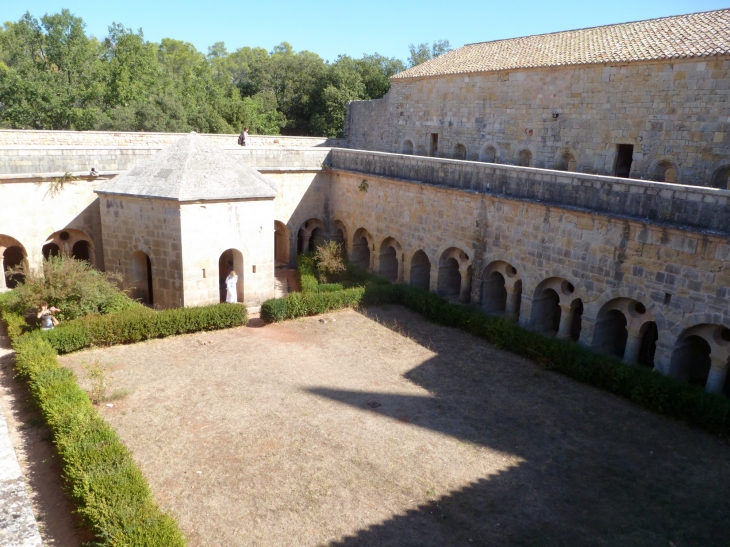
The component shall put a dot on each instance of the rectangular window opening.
(624, 157)
(667, 298)
(434, 144)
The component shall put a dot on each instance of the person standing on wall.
(243, 137)
(231, 289)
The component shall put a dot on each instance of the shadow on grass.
(597, 470)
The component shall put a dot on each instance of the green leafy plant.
(99, 379)
(363, 186)
(73, 286)
(328, 260)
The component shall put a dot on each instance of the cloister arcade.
(70, 242)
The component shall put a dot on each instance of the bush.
(307, 272)
(140, 323)
(328, 260)
(72, 286)
(313, 303)
(111, 494)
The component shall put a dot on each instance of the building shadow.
(596, 469)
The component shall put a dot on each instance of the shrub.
(72, 286)
(328, 260)
(140, 323)
(307, 272)
(111, 494)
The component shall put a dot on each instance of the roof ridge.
(594, 27)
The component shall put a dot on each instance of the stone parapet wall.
(31, 137)
(36, 159)
(698, 207)
(674, 111)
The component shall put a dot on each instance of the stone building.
(175, 225)
(646, 100)
(574, 248)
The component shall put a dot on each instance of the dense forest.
(54, 76)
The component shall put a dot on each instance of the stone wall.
(208, 230)
(680, 278)
(707, 208)
(29, 137)
(57, 160)
(674, 113)
(153, 227)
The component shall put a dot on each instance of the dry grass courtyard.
(398, 432)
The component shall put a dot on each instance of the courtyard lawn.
(346, 430)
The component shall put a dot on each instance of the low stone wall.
(17, 160)
(699, 207)
(27, 137)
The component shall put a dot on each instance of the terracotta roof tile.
(683, 36)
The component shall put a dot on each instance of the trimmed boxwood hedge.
(643, 386)
(109, 490)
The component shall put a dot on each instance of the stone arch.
(721, 176)
(566, 159)
(524, 157)
(459, 151)
(420, 270)
(701, 355)
(340, 234)
(390, 262)
(363, 247)
(501, 290)
(554, 305)
(51, 249)
(311, 233)
(282, 241)
(489, 153)
(231, 260)
(454, 274)
(620, 327)
(12, 255)
(142, 277)
(66, 241)
(406, 147)
(664, 169)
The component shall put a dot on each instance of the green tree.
(423, 52)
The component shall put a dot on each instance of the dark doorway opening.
(434, 144)
(624, 157)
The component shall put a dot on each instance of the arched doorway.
(701, 355)
(566, 162)
(230, 260)
(649, 336)
(81, 251)
(51, 249)
(721, 178)
(281, 244)
(547, 311)
(494, 293)
(449, 278)
(488, 154)
(421, 271)
(524, 158)
(361, 248)
(13, 257)
(611, 334)
(407, 147)
(501, 290)
(142, 281)
(311, 235)
(693, 358)
(390, 259)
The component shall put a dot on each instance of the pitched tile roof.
(191, 169)
(683, 36)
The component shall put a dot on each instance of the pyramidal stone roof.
(703, 34)
(192, 169)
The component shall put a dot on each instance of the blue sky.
(353, 28)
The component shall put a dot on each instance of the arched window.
(421, 271)
(459, 152)
(721, 178)
(665, 171)
(524, 158)
(488, 155)
(406, 147)
(566, 162)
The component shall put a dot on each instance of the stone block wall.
(152, 226)
(672, 112)
(211, 228)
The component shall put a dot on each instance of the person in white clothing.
(231, 289)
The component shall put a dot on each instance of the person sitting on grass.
(46, 316)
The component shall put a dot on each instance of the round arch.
(12, 255)
(282, 242)
(459, 151)
(420, 270)
(407, 145)
(341, 235)
(489, 153)
(721, 175)
(391, 258)
(664, 169)
(70, 242)
(311, 233)
(566, 159)
(362, 248)
(525, 157)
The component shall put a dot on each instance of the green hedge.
(643, 386)
(139, 324)
(109, 490)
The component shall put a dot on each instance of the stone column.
(292, 250)
(465, 288)
(566, 322)
(633, 345)
(716, 378)
(305, 242)
(510, 309)
(3, 279)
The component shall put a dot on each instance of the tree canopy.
(55, 76)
